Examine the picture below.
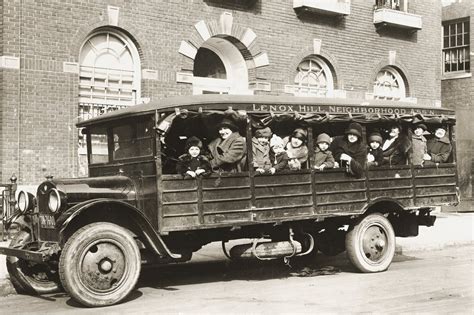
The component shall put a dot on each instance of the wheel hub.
(374, 243)
(103, 266)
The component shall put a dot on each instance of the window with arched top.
(220, 68)
(109, 79)
(109, 70)
(389, 85)
(313, 78)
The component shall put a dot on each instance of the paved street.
(438, 281)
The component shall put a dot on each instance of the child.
(375, 154)
(279, 158)
(419, 144)
(193, 163)
(296, 149)
(261, 150)
(322, 156)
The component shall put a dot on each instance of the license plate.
(46, 221)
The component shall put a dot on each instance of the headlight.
(25, 201)
(54, 200)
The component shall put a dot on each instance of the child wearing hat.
(322, 156)
(375, 152)
(278, 155)
(192, 163)
(296, 148)
(261, 150)
(418, 142)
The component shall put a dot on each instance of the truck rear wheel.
(28, 277)
(100, 264)
(370, 244)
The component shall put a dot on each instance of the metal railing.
(7, 204)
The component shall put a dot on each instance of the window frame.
(464, 47)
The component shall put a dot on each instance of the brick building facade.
(51, 52)
(457, 90)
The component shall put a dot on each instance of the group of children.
(271, 153)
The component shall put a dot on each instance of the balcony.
(325, 7)
(397, 18)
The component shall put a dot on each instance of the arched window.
(219, 67)
(207, 64)
(109, 70)
(313, 78)
(109, 79)
(389, 85)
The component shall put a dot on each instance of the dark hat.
(375, 136)
(355, 129)
(263, 133)
(227, 123)
(193, 142)
(422, 126)
(324, 137)
(300, 133)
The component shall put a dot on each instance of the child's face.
(418, 131)
(278, 148)
(296, 142)
(374, 145)
(323, 146)
(262, 140)
(352, 138)
(440, 133)
(194, 151)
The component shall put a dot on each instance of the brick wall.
(39, 101)
(458, 94)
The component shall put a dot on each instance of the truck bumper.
(24, 254)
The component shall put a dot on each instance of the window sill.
(456, 76)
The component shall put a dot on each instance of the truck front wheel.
(29, 277)
(370, 244)
(100, 264)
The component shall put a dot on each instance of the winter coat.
(419, 149)
(261, 155)
(188, 163)
(323, 157)
(357, 151)
(378, 156)
(279, 161)
(300, 153)
(439, 149)
(397, 152)
(228, 155)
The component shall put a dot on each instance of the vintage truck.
(91, 235)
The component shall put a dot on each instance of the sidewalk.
(450, 229)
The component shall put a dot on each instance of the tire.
(100, 264)
(29, 277)
(370, 245)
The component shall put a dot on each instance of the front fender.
(142, 223)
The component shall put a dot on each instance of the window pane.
(459, 40)
(445, 42)
(99, 148)
(446, 30)
(459, 28)
(452, 41)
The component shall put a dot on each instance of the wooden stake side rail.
(241, 199)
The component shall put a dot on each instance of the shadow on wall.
(397, 33)
(251, 6)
